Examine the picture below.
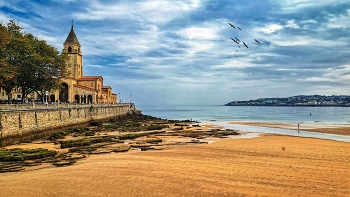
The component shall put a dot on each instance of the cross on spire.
(72, 23)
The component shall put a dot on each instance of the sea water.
(333, 115)
(222, 115)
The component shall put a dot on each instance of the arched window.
(63, 96)
(77, 98)
(69, 49)
(90, 99)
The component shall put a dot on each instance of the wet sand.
(321, 128)
(269, 165)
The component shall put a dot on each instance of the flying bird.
(232, 25)
(234, 41)
(239, 28)
(245, 45)
(257, 41)
(237, 39)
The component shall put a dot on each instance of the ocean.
(331, 115)
(222, 115)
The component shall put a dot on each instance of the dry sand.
(269, 165)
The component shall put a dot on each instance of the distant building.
(76, 88)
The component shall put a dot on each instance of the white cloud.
(159, 12)
(291, 23)
(271, 28)
(343, 21)
(292, 5)
(173, 47)
(200, 33)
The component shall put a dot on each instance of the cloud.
(181, 51)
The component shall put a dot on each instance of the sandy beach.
(268, 165)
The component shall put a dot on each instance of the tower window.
(69, 49)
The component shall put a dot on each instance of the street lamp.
(46, 93)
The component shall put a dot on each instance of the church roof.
(83, 87)
(89, 78)
(72, 38)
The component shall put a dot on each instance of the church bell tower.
(72, 47)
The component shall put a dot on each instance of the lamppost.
(46, 93)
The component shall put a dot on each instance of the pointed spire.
(72, 38)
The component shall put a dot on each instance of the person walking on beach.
(298, 127)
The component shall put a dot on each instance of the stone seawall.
(18, 124)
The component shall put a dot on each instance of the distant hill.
(300, 100)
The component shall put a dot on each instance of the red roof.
(90, 78)
(84, 87)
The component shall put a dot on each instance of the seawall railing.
(29, 106)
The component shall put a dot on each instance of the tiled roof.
(84, 87)
(72, 38)
(85, 78)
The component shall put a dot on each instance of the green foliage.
(28, 63)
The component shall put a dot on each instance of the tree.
(42, 69)
(51, 68)
(29, 63)
(4, 40)
(9, 55)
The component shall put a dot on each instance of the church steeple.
(72, 47)
(72, 38)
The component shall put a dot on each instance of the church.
(76, 88)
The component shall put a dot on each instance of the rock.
(62, 163)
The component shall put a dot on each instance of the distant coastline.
(289, 105)
(298, 101)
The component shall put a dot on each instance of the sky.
(176, 52)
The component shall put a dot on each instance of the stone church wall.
(20, 124)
